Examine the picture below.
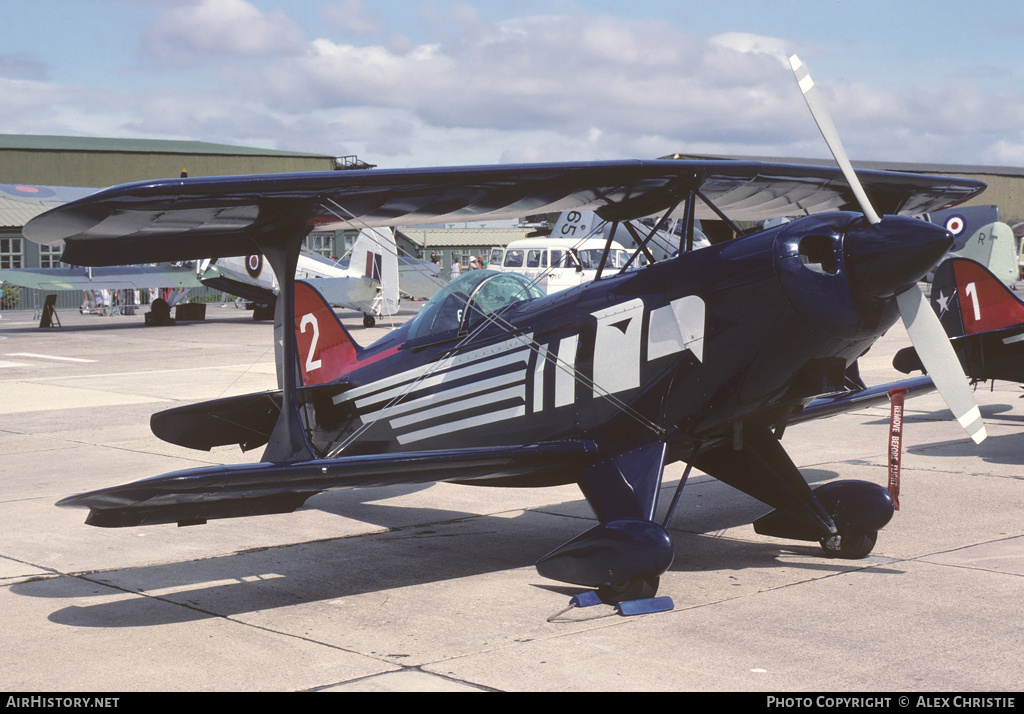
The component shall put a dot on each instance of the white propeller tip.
(972, 423)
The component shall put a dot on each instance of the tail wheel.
(849, 546)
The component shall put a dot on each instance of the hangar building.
(29, 160)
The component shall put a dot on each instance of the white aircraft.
(368, 283)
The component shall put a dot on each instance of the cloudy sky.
(432, 82)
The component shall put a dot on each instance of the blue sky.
(429, 82)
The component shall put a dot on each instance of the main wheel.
(635, 589)
(368, 321)
(849, 546)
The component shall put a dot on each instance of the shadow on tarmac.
(442, 546)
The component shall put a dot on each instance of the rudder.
(376, 254)
(326, 351)
(969, 299)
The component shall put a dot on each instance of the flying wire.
(510, 329)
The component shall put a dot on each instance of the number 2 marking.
(972, 291)
(310, 319)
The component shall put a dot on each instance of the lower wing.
(196, 495)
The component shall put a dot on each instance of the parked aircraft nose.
(840, 273)
(885, 258)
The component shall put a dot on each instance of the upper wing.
(176, 219)
(45, 197)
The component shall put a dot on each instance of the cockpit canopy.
(468, 299)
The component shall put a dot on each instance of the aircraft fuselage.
(685, 350)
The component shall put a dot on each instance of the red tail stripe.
(326, 351)
(985, 303)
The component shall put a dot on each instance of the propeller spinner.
(926, 333)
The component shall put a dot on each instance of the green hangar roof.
(100, 162)
(32, 142)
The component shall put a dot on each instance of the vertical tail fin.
(326, 351)
(994, 246)
(376, 253)
(969, 299)
(574, 224)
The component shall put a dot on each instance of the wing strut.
(288, 441)
(607, 250)
(690, 217)
(642, 245)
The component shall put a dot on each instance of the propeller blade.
(828, 130)
(922, 325)
(940, 361)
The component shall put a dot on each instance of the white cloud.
(352, 18)
(191, 33)
(1005, 152)
(529, 89)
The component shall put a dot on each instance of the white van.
(555, 264)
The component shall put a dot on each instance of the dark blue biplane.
(703, 358)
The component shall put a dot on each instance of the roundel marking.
(955, 224)
(32, 191)
(254, 266)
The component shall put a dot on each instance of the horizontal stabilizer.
(196, 495)
(247, 420)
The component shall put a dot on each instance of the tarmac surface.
(433, 588)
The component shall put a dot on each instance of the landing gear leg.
(624, 556)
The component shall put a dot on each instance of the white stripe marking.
(971, 421)
(538, 379)
(61, 359)
(519, 357)
(467, 391)
(401, 380)
(463, 424)
(457, 407)
(565, 374)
